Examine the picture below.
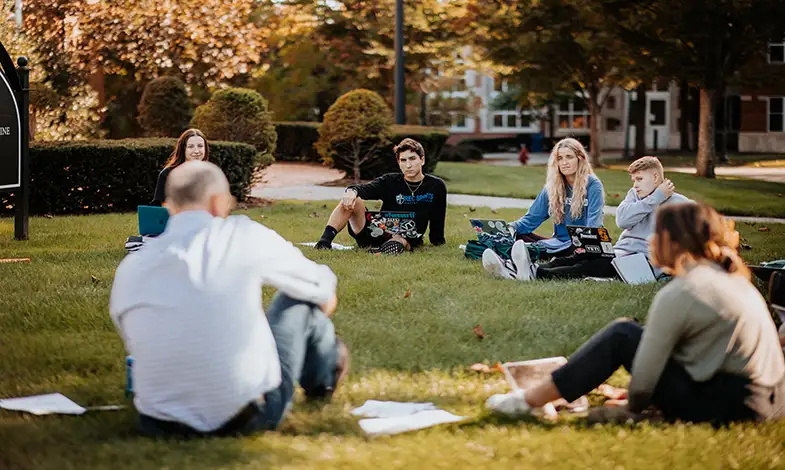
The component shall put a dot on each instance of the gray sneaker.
(525, 270)
(495, 265)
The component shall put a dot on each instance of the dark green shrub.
(354, 132)
(237, 115)
(165, 109)
(115, 175)
(296, 142)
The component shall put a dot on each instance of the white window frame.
(775, 44)
(768, 114)
(491, 127)
(571, 115)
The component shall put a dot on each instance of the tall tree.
(708, 42)
(556, 45)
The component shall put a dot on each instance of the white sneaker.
(497, 266)
(510, 404)
(525, 269)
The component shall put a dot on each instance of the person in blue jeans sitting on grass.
(573, 195)
(206, 358)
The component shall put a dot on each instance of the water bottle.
(129, 387)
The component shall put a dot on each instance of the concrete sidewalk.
(311, 192)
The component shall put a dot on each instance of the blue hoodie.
(590, 217)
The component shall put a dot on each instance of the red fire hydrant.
(523, 156)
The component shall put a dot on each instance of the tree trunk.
(640, 121)
(705, 161)
(721, 124)
(595, 149)
(423, 108)
(686, 113)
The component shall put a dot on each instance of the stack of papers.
(634, 269)
(43, 404)
(389, 417)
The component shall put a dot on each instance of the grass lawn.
(56, 335)
(729, 196)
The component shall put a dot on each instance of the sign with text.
(10, 137)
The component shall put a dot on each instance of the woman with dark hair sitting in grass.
(192, 145)
(710, 350)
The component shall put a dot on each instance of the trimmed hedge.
(116, 175)
(461, 153)
(296, 143)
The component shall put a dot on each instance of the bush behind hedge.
(115, 175)
(296, 143)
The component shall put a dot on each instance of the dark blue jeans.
(308, 352)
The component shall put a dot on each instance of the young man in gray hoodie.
(635, 215)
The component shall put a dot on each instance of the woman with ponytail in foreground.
(710, 350)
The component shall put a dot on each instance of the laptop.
(591, 241)
(498, 230)
(152, 220)
(386, 224)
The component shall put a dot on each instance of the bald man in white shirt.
(188, 305)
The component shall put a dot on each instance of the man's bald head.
(196, 185)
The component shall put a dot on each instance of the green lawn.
(729, 196)
(55, 335)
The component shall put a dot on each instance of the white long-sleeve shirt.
(188, 306)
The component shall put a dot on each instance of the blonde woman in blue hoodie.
(573, 195)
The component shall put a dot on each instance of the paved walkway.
(774, 175)
(312, 192)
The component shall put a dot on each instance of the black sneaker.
(321, 245)
(341, 371)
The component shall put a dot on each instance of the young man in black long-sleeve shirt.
(408, 191)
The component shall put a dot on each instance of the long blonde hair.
(691, 232)
(556, 184)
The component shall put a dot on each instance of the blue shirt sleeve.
(596, 198)
(537, 214)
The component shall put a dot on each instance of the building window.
(612, 124)
(512, 120)
(611, 102)
(776, 121)
(573, 115)
(777, 52)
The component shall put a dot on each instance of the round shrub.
(238, 115)
(354, 131)
(164, 110)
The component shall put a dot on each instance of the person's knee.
(625, 325)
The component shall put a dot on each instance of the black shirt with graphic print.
(429, 202)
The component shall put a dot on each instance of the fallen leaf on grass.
(478, 331)
(93, 278)
(472, 209)
(617, 195)
(313, 215)
(612, 393)
(49, 216)
(481, 368)
(745, 246)
(764, 229)
(407, 294)
(494, 211)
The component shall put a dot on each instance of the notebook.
(591, 240)
(634, 269)
(152, 220)
(388, 223)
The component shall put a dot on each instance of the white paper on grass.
(43, 404)
(336, 246)
(390, 409)
(399, 424)
(634, 269)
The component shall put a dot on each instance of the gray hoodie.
(636, 217)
